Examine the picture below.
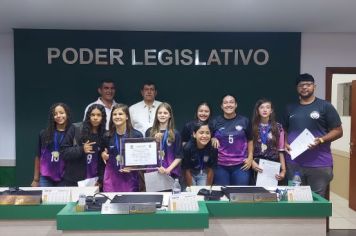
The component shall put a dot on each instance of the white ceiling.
(180, 15)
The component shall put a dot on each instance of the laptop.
(139, 198)
(252, 190)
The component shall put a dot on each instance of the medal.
(56, 142)
(161, 154)
(55, 154)
(118, 158)
(263, 147)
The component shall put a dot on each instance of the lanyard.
(264, 131)
(163, 145)
(201, 161)
(55, 139)
(164, 140)
(118, 141)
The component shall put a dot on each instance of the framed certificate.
(140, 152)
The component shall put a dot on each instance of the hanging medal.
(264, 131)
(163, 146)
(118, 144)
(55, 152)
(202, 159)
(263, 147)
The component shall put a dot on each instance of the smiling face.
(107, 91)
(306, 89)
(265, 110)
(202, 136)
(60, 115)
(149, 93)
(203, 113)
(119, 117)
(163, 115)
(229, 105)
(95, 117)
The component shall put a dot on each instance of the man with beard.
(315, 165)
(106, 90)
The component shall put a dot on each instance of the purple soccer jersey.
(318, 117)
(233, 135)
(50, 165)
(92, 163)
(114, 180)
(270, 152)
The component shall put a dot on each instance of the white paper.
(56, 195)
(88, 182)
(138, 154)
(184, 201)
(300, 193)
(301, 143)
(158, 182)
(267, 178)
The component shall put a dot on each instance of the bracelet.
(321, 140)
(36, 180)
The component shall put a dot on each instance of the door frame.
(329, 76)
(328, 82)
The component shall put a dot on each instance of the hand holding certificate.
(301, 143)
(267, 178)
(139, 154)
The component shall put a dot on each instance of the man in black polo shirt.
(318, 116)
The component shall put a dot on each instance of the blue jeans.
(47, 182)
(199, 178)
(231, 175)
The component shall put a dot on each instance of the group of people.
(224, 150)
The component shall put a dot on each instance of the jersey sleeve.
(248, 130)
(332, 117)
(71, 148)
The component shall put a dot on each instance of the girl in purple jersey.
(49, 164)
(118, 179)
(168, 138)
(233, 138)
(202, 115)
(268, 137)
(82, 147)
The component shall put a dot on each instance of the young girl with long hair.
(199, 157)
(82, 147)
(268, 137)
(169, 139)
(115, 179)
(203, 113)
(49, 164)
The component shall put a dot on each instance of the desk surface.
(319, 208)
(69, 219)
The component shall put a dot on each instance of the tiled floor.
(343, 217)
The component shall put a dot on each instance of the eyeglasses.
(301, 85)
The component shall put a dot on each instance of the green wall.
(39, 84)
(7, 176)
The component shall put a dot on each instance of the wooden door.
(352, 186)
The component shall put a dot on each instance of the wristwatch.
(321, 140)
